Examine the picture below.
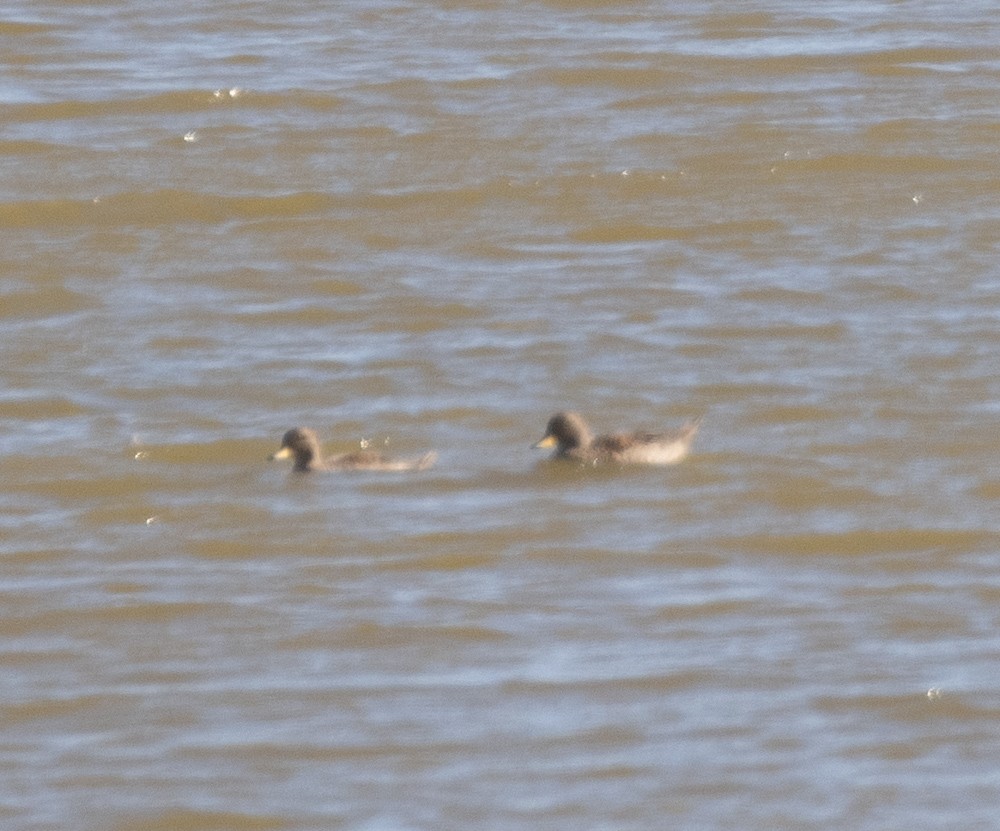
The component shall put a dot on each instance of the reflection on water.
(424, 226)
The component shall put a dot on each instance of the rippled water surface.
(426, 226)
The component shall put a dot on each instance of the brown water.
(430, 225)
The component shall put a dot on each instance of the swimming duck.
(302, 444)
(569, 434)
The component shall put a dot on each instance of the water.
(431, 226)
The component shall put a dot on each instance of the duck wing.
(642, 447)
(372, 460)
(616, 443)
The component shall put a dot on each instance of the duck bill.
(283, 453)
(546, 443)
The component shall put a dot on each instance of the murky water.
(430, 226)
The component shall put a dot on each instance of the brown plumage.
(302, 444)
(569, 434)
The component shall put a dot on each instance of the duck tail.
(690, 428)
(427, 460)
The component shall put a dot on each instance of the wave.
(168, 205)
(174, 101)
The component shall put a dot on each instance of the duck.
(572, 439)
(303, 445)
